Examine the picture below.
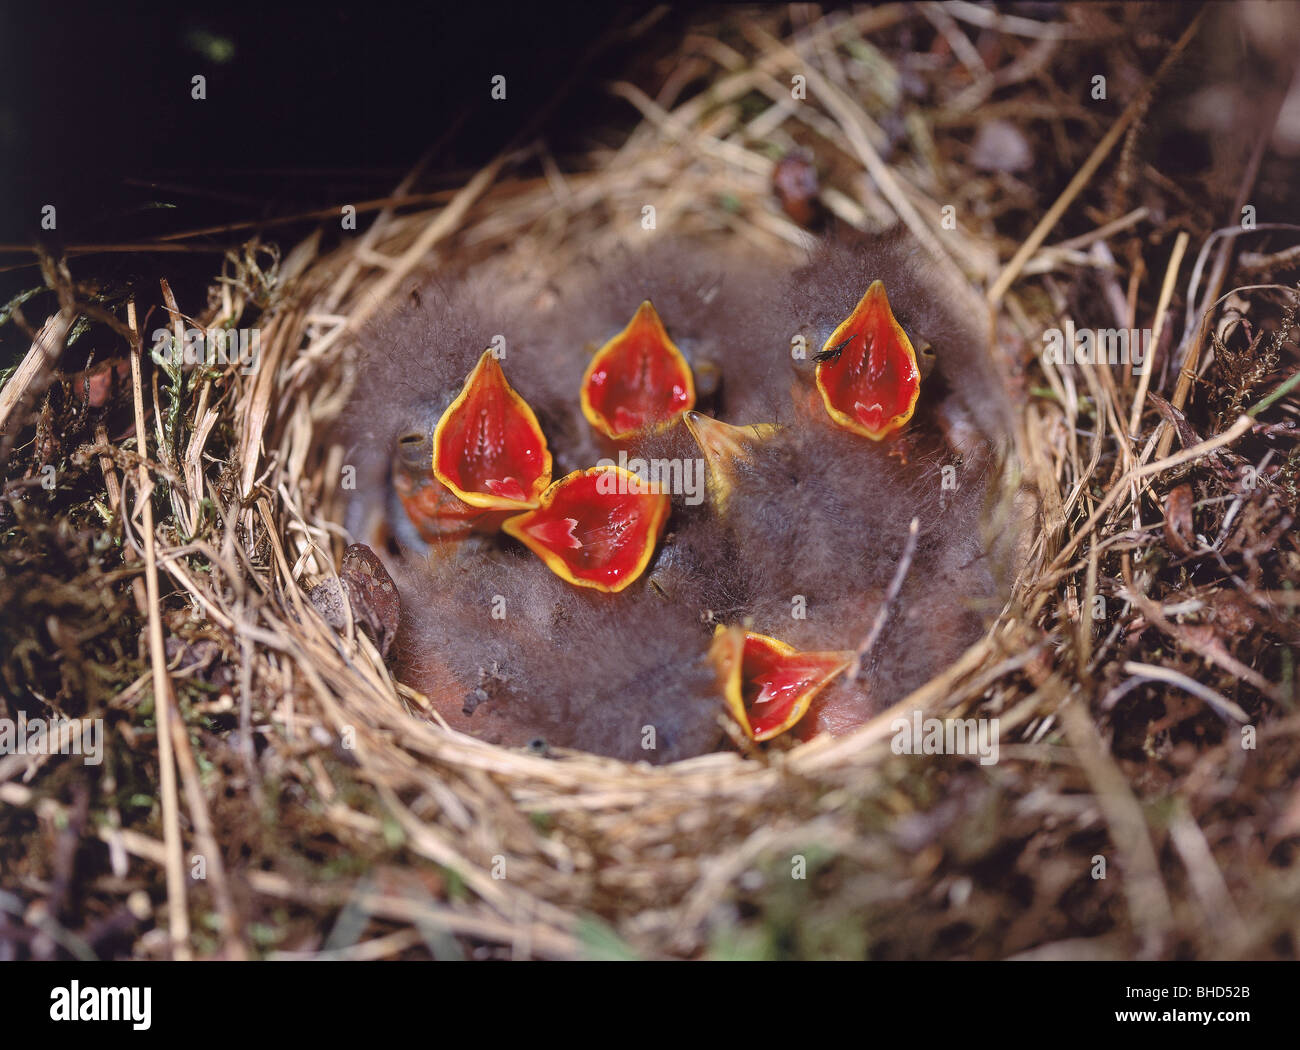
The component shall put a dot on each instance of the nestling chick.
(505, 648)
(523, 655)
(820, 514)
(803, 531)
(820, 522)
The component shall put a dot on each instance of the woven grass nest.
(334, 817)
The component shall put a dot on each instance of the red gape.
(594, 528)
(488, 448)
(867, 372)
(769, 685)
(638, 380)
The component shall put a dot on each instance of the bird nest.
(272, 788)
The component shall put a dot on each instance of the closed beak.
(435, 511)
(725, 448)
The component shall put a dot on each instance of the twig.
(1283, 388)
(31, 377)
(112, 249)
(1162, 308)
(1148, 900)
(852, 119)
(439, 227)
(1151, 672)
(1187, 370)
(1012, 25)
(1090, 166)
(178, 912)
(1243, 424)
(891, 596)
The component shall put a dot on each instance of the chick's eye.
(925, 358)
(412, 450)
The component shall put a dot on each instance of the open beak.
(437, 514)
(488, 448)
(768, 685)
(594, 528)
(725, 448)
(867, 372)
(638, 380)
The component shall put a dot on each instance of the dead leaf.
(370, 591)
(1179, 533)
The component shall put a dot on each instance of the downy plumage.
(799, 539)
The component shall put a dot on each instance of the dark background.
(306, 107)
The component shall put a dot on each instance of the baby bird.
(516, 647)
(788, 521)
(513, 654)
(821, 524)
(820, 511)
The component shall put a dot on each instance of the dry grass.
(163, 586)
